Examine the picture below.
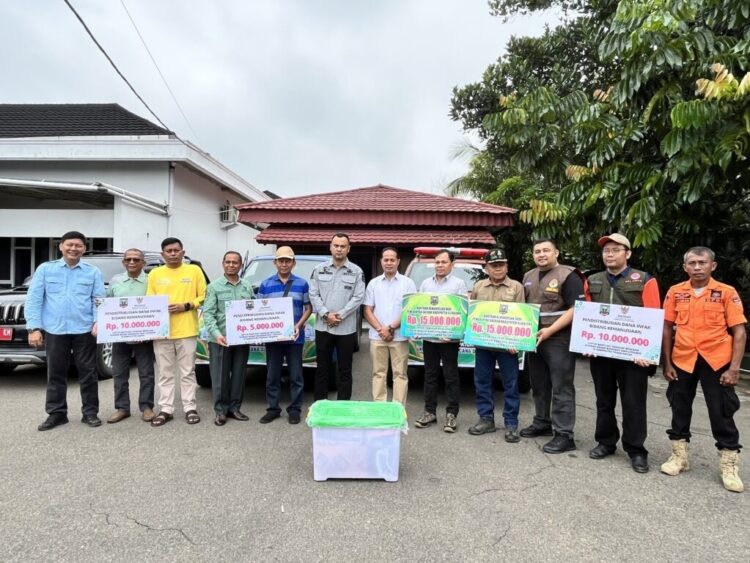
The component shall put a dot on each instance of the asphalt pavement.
(245, 491)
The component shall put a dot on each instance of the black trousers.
(552, 372)
(434, 353)
(227, 365)
(59, 347)
(144, 360)
(722, 403)
(632, 381)
(325, 343)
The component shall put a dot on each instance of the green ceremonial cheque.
(434, 315)
(505, 326)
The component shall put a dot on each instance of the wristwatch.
(325, 316)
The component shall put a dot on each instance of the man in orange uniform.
(704, 340)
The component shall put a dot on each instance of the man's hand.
(36, 339)
(333, 319)
(730, 377)
(512, 351)
(541, 335)
(221, 340)
(384, 333)
(670, 374)
(177, 308)
(94, 330)
(640, 362)
(295, 335)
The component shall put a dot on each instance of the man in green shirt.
(226, 363)
(132, 283)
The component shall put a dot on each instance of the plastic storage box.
(356, 439)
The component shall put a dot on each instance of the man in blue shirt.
(61, 316)
(285, 284)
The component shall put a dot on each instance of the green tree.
(630, 115)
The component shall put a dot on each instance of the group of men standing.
(703, 341)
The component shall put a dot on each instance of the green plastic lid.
(356, 414)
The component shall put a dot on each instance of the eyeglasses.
(131, 260)
(613, 250)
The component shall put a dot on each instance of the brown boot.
(730, 471)
(678, 461)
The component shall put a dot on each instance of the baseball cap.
(285, 252)
(615, 237)
(496, 255)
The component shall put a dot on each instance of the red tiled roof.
(282, 234)
(377, 205)
(377, 198)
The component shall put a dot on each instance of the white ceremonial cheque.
(257, 321)
(132, 319)
(622, 332)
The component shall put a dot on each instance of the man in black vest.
(555, 288)
(623, 285)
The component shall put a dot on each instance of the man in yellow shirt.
(185, 285)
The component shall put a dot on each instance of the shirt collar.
(614, 277)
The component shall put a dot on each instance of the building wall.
(194, 209)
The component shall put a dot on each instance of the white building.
(116, 177)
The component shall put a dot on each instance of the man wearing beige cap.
(285, 284)
(623, 285)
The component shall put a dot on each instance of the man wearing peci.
(623, 285)
(383, 303)
(337, 288)
(704, 341)
(498, 287)
(441, 351)
(285, 284)
(555, 288)
(132, 283)
(226, 363)
(61, 316)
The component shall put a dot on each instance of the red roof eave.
(283, 234)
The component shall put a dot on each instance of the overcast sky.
(297, 96)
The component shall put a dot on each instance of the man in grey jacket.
(337, 288)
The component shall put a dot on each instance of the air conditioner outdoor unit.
(227, 214)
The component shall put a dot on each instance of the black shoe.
(559, 444)
(483, 426)
(52, 421)
(237, 415)
(639, 462)
(601, 451)
(91, 420)
(220, 420)
(269, 417)
(534, 431)
(294, 418)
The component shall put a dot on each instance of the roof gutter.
(133, 198)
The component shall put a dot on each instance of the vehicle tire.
(104, 361)
(203, 375)
(7, 369)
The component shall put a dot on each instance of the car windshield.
(109, 266)
(262, 267)
(470, 273)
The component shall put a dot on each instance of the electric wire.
(114, 66)
(163, 78)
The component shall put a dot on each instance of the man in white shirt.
(383, 299)
(445, 350)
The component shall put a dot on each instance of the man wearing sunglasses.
(132, 283)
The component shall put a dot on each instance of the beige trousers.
(398, 353)
(175, 358)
